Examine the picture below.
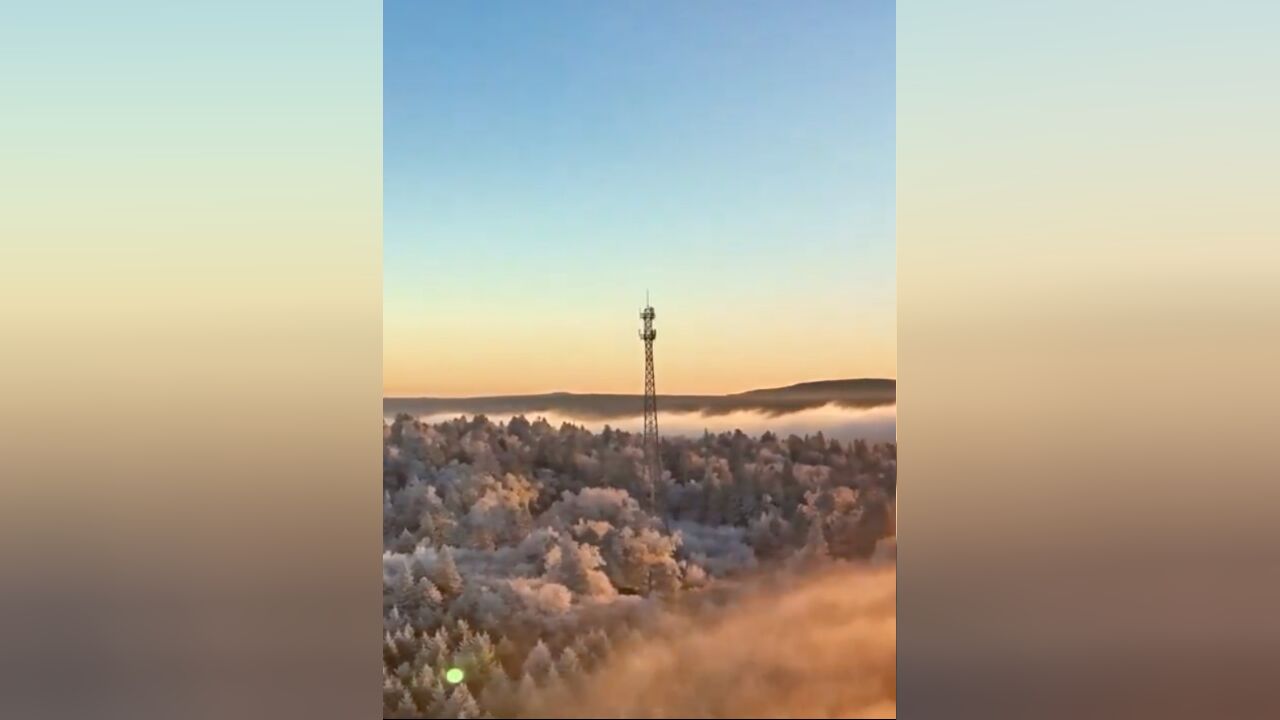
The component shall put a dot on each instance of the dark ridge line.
(862, 393)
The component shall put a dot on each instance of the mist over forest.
(528, 573)
(864, 393)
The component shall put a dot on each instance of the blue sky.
(546, 162)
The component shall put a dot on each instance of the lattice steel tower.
(652, 462)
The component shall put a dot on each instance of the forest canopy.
(521, 556)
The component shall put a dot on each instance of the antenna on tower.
(652, 461)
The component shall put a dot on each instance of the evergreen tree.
(429, 594)
(460, 704)
(441, 637)
(406, 644)
(426, 688)
(391, 690)
(585, 659)
(598, 645)
(477, 655)
(404, 594)
(462, 630)
(508, 655)
(435, 650)
(405, 707)
(527, 691)
(578, 569)
(569, 665)
(429, 528)
(390, 655)
(538, 663)
(405, 542)
(447, 577)
(438, 706)
(498, 696)
(553, 682)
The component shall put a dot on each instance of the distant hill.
(854, 393)
(864, 387)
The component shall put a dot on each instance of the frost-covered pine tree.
(585, 659)
(553, 683)
(538, 663)
(405, 707)
(478, 655)
(429, 594)
(508, 654)
(569, 665)
(447, 577)
(391, 690)
(390, 655)
(439, 701)
(404, 593)
(435, 648)
(393, 621)
(441, 638)
(462, 631)
(426, 687)
(526, 691)
(406, 643)
(578, 569)
(598, 644)
(498, 697)
(405, 542)
(460, 704)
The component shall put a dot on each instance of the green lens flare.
(454, 675)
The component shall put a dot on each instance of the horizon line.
(637, 394)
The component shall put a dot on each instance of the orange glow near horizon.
(596, 350)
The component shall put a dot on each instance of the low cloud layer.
(823, 647)
(774, 402)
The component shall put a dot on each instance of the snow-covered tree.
(538, 664)
(576, 566)
(476, 655)
(447, 577)
(569, 665)
(499, 695)
(460, 704)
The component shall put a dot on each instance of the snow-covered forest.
(520, 558)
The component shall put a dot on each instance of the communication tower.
(652, 461)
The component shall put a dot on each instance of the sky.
(545, 164)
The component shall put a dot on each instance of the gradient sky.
(546, 163)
